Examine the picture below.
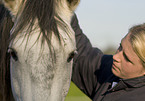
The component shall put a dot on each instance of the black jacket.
(92, 73)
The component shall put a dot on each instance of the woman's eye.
(120, 48)
(126, 58)
(71, 56)
(13, 54)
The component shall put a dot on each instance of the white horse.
(42, 46)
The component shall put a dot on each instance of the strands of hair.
(5, 27)
(44, 11)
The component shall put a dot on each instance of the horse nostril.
(13, 53)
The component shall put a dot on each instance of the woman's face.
(126, 64)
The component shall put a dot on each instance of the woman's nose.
(117, 57)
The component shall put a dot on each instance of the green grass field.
(75, 94)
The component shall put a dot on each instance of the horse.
(5, 27)
(40, 49)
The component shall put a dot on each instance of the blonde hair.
(137, 39)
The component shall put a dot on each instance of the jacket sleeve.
(86, 62)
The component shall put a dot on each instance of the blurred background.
(106, 22)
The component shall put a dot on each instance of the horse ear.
(12, 5)
(73, 4)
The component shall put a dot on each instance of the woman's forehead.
(128, 49)
(125, 42)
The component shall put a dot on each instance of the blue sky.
(106, 22)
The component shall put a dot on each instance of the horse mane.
(44, 12)
(5, 27)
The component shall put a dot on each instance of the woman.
(96, 74)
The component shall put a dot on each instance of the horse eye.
(71, 56)
(13, 54)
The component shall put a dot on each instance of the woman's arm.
(86, 62)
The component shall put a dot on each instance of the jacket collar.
(129, 83)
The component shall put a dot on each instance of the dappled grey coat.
(92, 74)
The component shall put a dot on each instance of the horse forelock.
(44, 12)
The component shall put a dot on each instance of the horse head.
(42, 45)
